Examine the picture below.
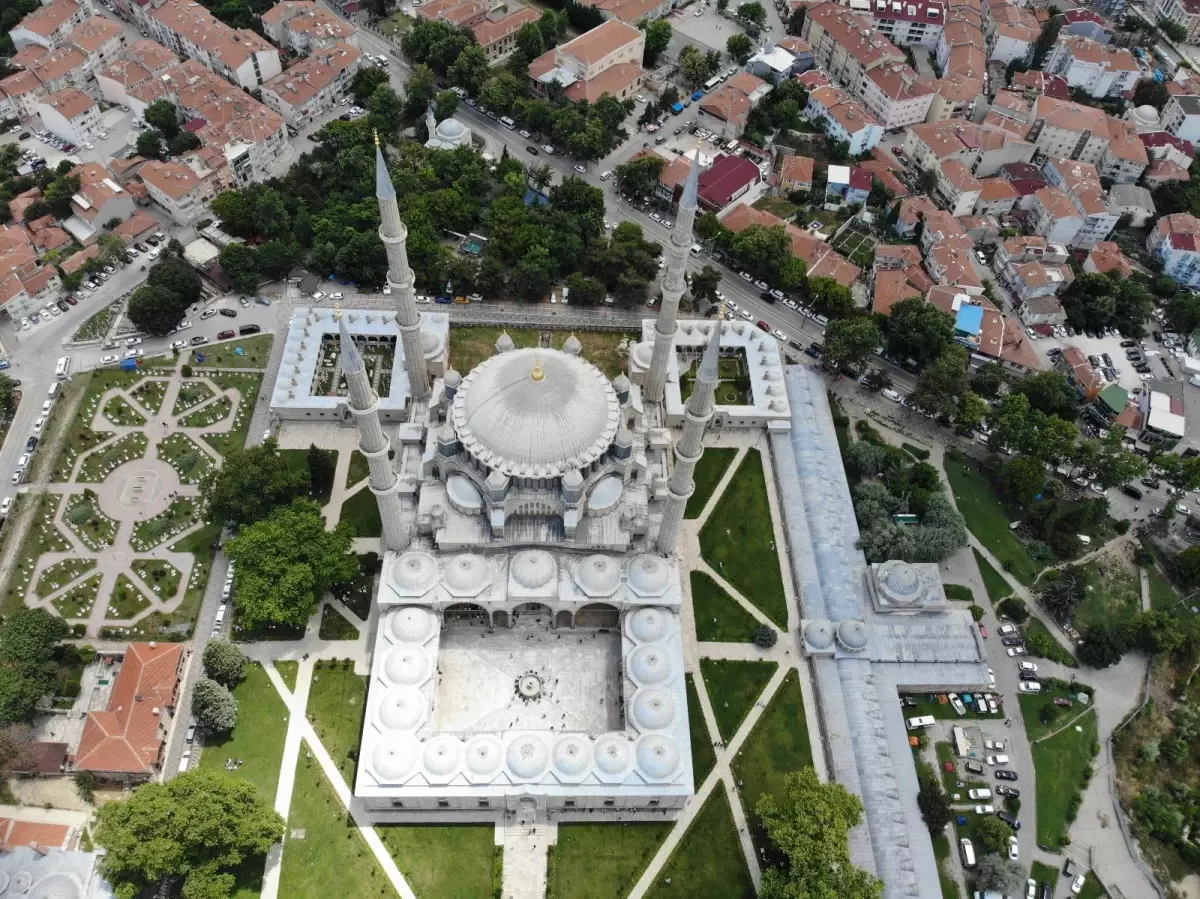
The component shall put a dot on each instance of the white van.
(696, 249)
(184, 761)
(507, 122)
(1084, 539)
(968, 852)
(919, 722)
(604, 176)
(55, 389)
(47, 406)
(980, 793)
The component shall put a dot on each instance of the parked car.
(199, 340)
(1029, 686)
(1005, 774)
(249, 329)
(1003, 790)
(227, 335)
(228, 313)
(207, 313)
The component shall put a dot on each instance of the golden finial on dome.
(375, 131)
(538, 374)
(337, 310)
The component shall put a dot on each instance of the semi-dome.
(606, 494)
(644, 353)
(653, 709)
(394, 758)
(442, 755)
(411, 624)
(649, 625)
(612, 754)
(414, 574)
(483, 756)
(402, 708)
(648, 575)
(533, 568)
(406, 666)
(598, 575)
(527, 756)
(536, 412)
(430, 342)
(818, 634)
(467, 574)
(649, 665)
(572, 755)
(852, 635)
(463, 494)
(657, 756)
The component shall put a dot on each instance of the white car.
(525, 134)
(1014, 651)
(1077, 884)
(980, 793)
(133, 341)
(337, 296)
(109, 360)
(1006, 630)
(995, 745)
(207, 313)
(985, 809)
(1012, 848)
(1029, 686)
(38, 425)
(1027, 666)
(134, 354)
(183, 326)
(317, 295)
(997, 760)
(746, 276)
(580, 169)
(1031, 889)
(546, 148)
(53, 311)
(179, 345)
(655, 217)
(892, 395)
(26, 324)
(5, 505)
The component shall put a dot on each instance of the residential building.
(897, 96)
(1010, 32)
(996, 197)
(1091, 67)
(1073, 363)
(1106, 258)
(605, 60)
(1082, 22)
(800, 49)
(1054, 216)
(1181, 115)
(135, 79)
(724, 181)
(1184, 13)
(1069, 130)
(126, 740)
(822, 260)
(71, 115)
(304, 26)
(897, 275)
(984, 330)
(956, 189)
(313, 85)
(1029, 248)
(1031, 268)
(850, 186)
(631, 12)
(496, 33)
(984, 149)
(61, 68)
(912, 211)
(951, 264)
(844, 119)
(845, 47)
(1125, 158)
(909, 22)
(99, 39)
(238, 55)
(1037, 309)
(1162, 145)
(886, 174)
(23, 91)
(726, 110)
(1035, 83)
(49, 25)
(179, 189)
(100, 199)
(776, 64)
(1133, 201)
(1175, 239)
(1164, 171)
(796, 174)
(1081, 183)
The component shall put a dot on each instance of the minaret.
(677, 249)
(696, 416)
(372, 442)
(394, 235)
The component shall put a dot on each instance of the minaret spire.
(372, 441)
(677, 249)
(394, 235)
(697, 414)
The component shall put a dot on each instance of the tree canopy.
(160, 304)
(224, 663)
(28, 639)
(250, 484)
(919, 331)
(214, 707)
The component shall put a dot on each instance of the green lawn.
(200, 544)
(160, 574)
(191, 394)
(83, 516)
(331, 859)
(358, 470)
(709, 471)
(959, 593)
(255, 352)
(1162, 595)
(738, 541)
(600, 861)
(733, 688)
(1032, 705)
(987, 519)
(1114, 592)
(993, 581)
(1060, 764)
(258, 737)
(96, 325)
(362, 511)
(334, 626)
(708, 862)
(151, 393)
(297, 460)
(941, 851)
(336, 704)
(42, 537)
(60, 574)
(447, 861)
(247, 385)
(99, 464)
(126, 600)
(704, 756)
(1043, 873)
(79, 600)
(1041, 643)
(471, 345)
(1092, 887)
(181, 514)
(288, 670)
(719, 617)
(779, 745)
(189, 461)
(209, 415)
(121, 413)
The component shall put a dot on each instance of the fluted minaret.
(672, 286)
(690, 447)
(373, 443)
(394, 235)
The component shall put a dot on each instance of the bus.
(711, 84)
(62, 370)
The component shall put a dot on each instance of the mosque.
(528, 638)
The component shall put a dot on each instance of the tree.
(530, 42)
(470, 70)
(172, 273)
(162, 115)
(693, 67)
(739, 47)
(1046, 41)
(934, 805)
(1107, 460)
(658, 38)
(499, 92)
(156, 310)
(1149, 92)
(919, 331)
(1103, 644)
(1183, 312)
(992, 834)
(214, 707)
(831, 299)
(553, 25)
(1173, 30)
(705, 283)
(1023, 478)
(585, 291)
(809, 823)
(941, 386)
(287, 561)
(795, 22)
(418, 92)
(850, 341)
(639, 177)
(445, 104)
(765, 636)
(1063, 594)
(386, 111)
(238, 263)
(224, 663)
(8, 400)
(150, 145)
(1001, 875)
(200, 827)
(321, 465)
(1049, 392)
(753, 12)
(971, 413)
(275, 259)
(1186, 566)
(28, 639)
(252, 482)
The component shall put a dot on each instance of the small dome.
(648, 575)
(899, 581)
(818, 634)
(451, 378)
(572, 346)
(1146, 115)
(414, 574)
(852, 635)
(504, 343)
(533, 568)
(653, 709)
(649, 625)
(621, 384)
(406, 666)
(527, 757)
(644, 353)
(450, 129)
(612, 754)
(774, 390)
(483, 756)
(57, 886)
(402, 708)
(430, 342)
(394, 758)
(572, 755)
(411, 624)
(598, 575)
(442, 755)
(467, 574)
(657, 756)
(650, 665)
(624, 438)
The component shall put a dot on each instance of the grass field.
(42, 537)
(1040, 642)
(1092, 887)
(255, 352)
(336, 703)
(334, 626)
(200, 544)
(61, 573)
(121, 413)
(258, 737)
(247, 385)
(1162, 595)
(79, 600)
(738, 541)
(297, 460)
(708, 861)
(733, 688)
(719, 617)
(1061, 763)
(1033, 703)
(358, 469)
(126, 600)
(362, 511)
(99, 464)
(288, 670)
(189, 461)
(941, 851)
(155, 573)
(445, 861)
(599, 861)
(709, 471)
(1114, 591)
(95, 326)
(987, 519)
(704, 757)
(993, 581)
(1043, 873)
(151, 393)
(191, 394)
(604, 349)
(959, 593)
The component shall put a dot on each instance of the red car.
(898, 152)
(226, 335)
(982, 630)
(763, 326)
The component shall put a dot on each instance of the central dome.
(536, 413)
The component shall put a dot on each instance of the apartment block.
(955, 188)
(313, 85)
(1126, 158)
(605, 60)
(181, 190)
(909, 23)
(1010, 31)
(1098, 70)
(1175, 239)
(49, 25)
(1184, 13)
(1181, 118)
(238, 55)
(303, 26)
(846, 47)
(844, 118)
(1069, 130)
(897, 96)
(70, 114)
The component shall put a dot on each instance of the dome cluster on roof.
(852, 635)
(527, 756)
(657, 756)
(648, 665)
(402, 708)
(467, 574)
(649, 625)
(414, 573)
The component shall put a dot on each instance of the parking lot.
(1153, 352)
